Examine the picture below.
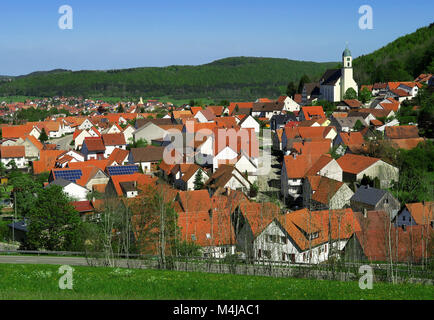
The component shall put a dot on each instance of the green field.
(41, 282)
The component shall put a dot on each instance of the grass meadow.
(42, 282)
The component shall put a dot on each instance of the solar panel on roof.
(121, 170)
(70, 175)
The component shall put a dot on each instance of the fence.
(342, 271)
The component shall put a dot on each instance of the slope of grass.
(41, 282)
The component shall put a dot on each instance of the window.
(348, 59)
(267, 254)
(313, 235)
(284, 240)
(224, 250)
(193, 237)
(259, 253)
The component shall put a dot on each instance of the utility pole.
(15, 213)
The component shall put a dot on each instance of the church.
(335, 82)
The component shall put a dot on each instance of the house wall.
(250, 122)
(149, 132)
(225, 154)
(384, 171)
(290, 105)
(20, 162)
(109, 149)
(218, 252)
(190, 183)
(76, 192)
(205, 153)
(404, 218)
(30, 150)
(128, 133)
(200, 117)
(99, 178)
(332, 171)
(85, 125)
(286, 251)
(78, 142)
(331, 93)
(341, 199)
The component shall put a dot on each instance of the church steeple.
(347, 59)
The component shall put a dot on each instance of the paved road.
(269, 185)
(73, 261)
(63, 142)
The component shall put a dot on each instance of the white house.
(85, 125)
(250, 123)
(289, 104)
(79, 136)
(16, 154)
(71, 189)
(304, 237)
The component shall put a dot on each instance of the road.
(64, 142)
(73, 261)
(269, 184)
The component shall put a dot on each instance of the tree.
(26, 190)
(198, 180)
(141, 143)
(156, 222)
(350, 94)
(291, 90)
(120, 109)
(365, 95)
(304, 79)
(358, 125)
(426, 115)
(43, 136)
(54, 223)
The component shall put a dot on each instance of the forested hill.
(230, 78)
(403, 59)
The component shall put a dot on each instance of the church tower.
(347, 80)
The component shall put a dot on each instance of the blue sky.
(134, 33)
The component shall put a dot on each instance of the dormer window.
(313, 235)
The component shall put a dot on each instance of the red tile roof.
(12, 152)
(422, 213)
(94, 144)
(337, 224)
(355, 164)
(142, 180)
(16, 132)
(401, 132)
(313, 112)
(113, 139)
